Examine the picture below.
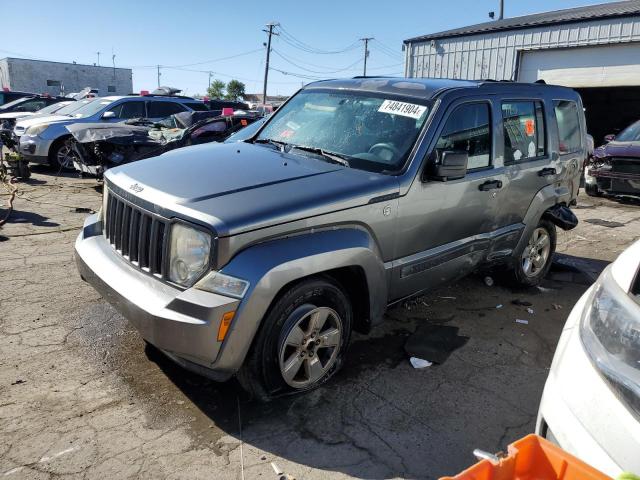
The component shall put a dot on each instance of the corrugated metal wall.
(494, 55)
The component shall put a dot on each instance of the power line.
(348, 67)
(299, 44)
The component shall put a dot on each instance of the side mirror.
(609, 138)
(449, 165)
(108, 114)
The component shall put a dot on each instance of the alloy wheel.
(310, 347)
(536, 253)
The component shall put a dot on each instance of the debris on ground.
(419, 362)
(449, 298)
(556, 306)
(544, 289)
(18, 382)
(83, 210)
(522, 303)
(435, 342)
(488, 281)
(498, 307)
(524, 322)
(530, 311)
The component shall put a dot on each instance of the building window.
(111, 88)
(53, 83)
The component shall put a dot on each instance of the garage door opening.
(609, 109)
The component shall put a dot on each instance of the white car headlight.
(37, 129)
(189, 254)
(610, 333)
(227, 285)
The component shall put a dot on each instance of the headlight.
(189, 254)
(217, 282)
(37, 129)
(610, 332)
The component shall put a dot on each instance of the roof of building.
(420, 88)
(591, 12)
(63, 63)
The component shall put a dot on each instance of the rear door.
(528, 159)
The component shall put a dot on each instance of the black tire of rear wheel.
(260, 374)
(517, 272)
(592, 190)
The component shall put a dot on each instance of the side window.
(32, 106)
(468, 129)
(523, 124)
(568, 126)
(133, 109)
(164, 109)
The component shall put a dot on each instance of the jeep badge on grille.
(136, 188)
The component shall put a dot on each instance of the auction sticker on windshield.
(401, 108)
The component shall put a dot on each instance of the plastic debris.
(488, 281)
(449, 298)
(498, 307)
(523, 322)
(530, 311)
(276, 468)
(556, 306)
(544, 290)
(419, 362)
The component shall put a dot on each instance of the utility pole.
(159, 76)
(266, 65)
(501, 16)
(98, 53)
(210, 76)
(366, 52)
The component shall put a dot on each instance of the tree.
(235, 90)
(216, 90)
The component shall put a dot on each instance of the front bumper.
(579, 411)
(35, 149)
(182, 323)
(609, 181)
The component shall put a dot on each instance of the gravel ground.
(81, 396)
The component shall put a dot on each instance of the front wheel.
(302, 340)
(62, 155)
(534, 261)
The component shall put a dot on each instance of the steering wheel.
(384, 146)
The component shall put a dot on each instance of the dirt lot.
(80, 397)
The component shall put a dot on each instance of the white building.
(594, 49)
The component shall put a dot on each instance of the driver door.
(445, 227)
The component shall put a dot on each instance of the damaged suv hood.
(240, 187)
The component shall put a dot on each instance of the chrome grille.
(138, 235)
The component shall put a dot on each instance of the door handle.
(546, 171)
(490, 185)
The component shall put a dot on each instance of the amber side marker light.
(225, 323)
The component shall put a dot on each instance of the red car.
(614, 168)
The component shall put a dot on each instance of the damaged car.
(259, 258)
(614, 168)
(100, 146)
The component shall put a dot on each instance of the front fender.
(272, 265)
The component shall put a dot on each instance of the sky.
(189, 39)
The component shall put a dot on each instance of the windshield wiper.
(271, 141)
(331, 156)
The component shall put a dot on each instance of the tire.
(59, 150)
(532, 264)
(592, 190)
(288, 355)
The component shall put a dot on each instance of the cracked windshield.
(373, 133)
